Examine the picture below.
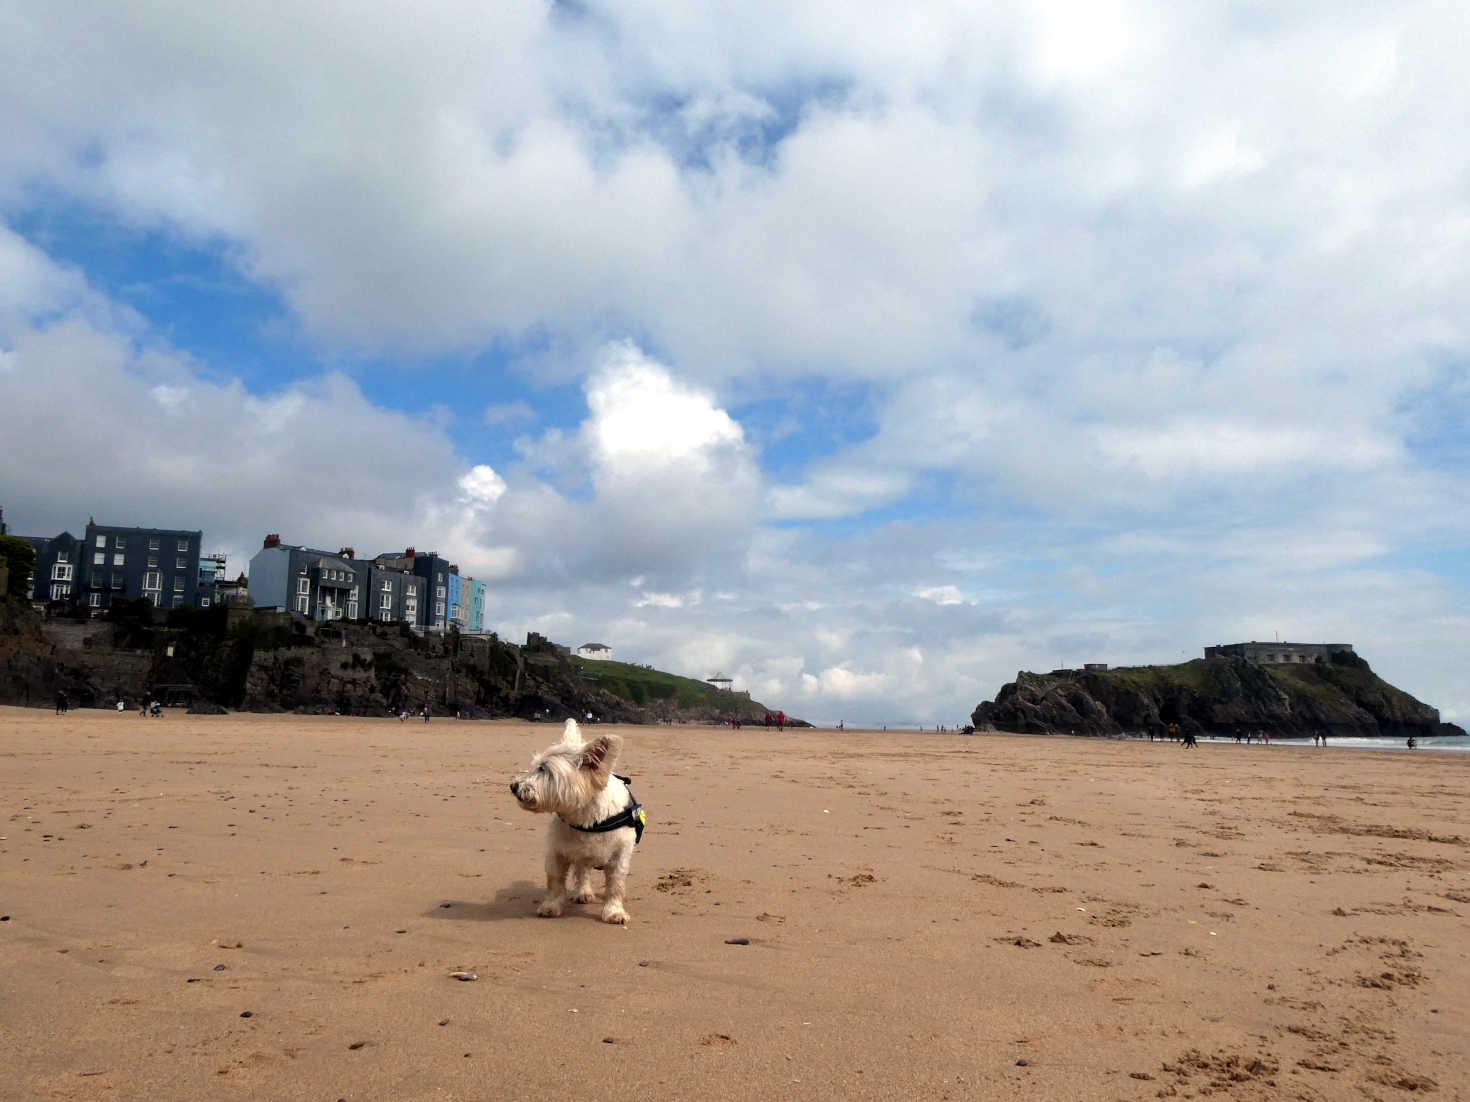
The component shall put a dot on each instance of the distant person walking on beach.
(61, 702)
(426, 713)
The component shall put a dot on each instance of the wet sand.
(257, 907)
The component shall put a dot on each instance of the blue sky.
(866, 360)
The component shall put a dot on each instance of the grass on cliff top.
(1333, 680)
(1189, 675)
(1323, 680)
(649, 687)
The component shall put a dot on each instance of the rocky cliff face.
(1221, 696)
(269, 662)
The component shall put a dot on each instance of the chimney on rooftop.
(408, 554)
(273, 540)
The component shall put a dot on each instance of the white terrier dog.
(595, 821)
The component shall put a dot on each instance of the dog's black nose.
(512, 788)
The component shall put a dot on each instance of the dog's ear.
(571, 734)
(598, 757)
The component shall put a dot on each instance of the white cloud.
(941, 594)
(842, 684)
(481, 486)
(505, 414)
(642, 418)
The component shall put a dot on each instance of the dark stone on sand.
(445, 906)
(247, 1013)
(608, 1041)
(1023, 1063)
(4, 918)
(220, 967)
(737, 941)
(643, 964)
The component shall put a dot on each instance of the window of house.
(117, 579)
(439, 609)
(181, 563)
(385, 601)
(387, 586)
(300, 604)
(119, 542)
(117, 559)
(60, 572)
(63, 556)
(178, 584)
(59, 592)
(152, 562)
(385, 615)
(94, 599)
(303, 585)
(153, 543)
(183, 545)
(152, 580)
(99, 558)
(101, 541)
(352, 610)
(203, 602)
(439, 592)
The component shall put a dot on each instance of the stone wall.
(1273, 653)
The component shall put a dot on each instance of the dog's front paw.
(616, 915)
(551, 908)
(587, 896)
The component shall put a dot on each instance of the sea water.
(1448, 743)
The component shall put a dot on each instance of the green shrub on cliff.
(19, 558)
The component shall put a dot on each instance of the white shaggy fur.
(574, 782)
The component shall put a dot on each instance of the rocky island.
(1226, 694)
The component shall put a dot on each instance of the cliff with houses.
(260, 660)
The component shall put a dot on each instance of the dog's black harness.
(630, 816)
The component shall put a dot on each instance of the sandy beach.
(271, 907)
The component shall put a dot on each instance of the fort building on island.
(1278, 653)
